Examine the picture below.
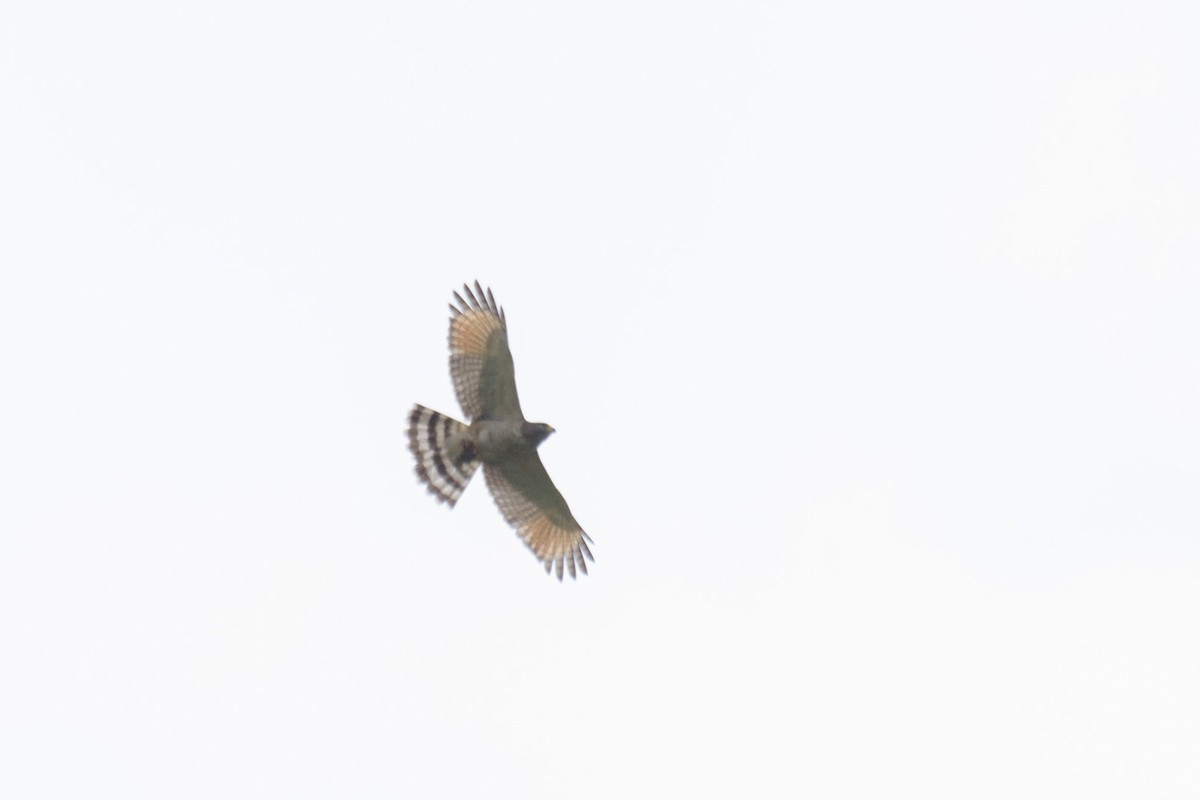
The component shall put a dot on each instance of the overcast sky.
(870, 333)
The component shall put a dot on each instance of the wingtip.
(479, 299)
(471, 295)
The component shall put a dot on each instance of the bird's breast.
(495, 440)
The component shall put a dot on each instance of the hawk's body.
(499, 437)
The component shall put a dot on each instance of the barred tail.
(445, 456)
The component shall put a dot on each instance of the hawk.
(448, 451)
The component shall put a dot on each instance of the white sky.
(869, 330)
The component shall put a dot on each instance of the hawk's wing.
(528, 500)
(480, 364)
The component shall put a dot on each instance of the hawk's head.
(535, 432)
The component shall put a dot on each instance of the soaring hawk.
(448, 452)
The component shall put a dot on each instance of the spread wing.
(528, 500)
(481, 365)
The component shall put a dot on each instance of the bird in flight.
(499, 437)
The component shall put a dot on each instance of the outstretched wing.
(528, 500)
(481, 365)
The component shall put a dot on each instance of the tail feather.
(445, 458)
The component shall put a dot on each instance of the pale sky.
(869, 331)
